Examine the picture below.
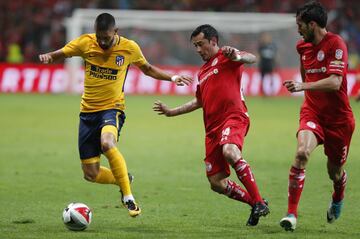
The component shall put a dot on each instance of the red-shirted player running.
(326, 116)
(225, 117)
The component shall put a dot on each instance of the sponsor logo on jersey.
(320, 55)
(119, 60)
(316, 70)
(303, 57)
(210, 73)
(338, 54)
(103, 73)
(311, 124)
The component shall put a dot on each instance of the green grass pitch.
(40, 174)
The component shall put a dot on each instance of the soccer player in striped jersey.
(226, 119)
(107, 58)
(326, 116)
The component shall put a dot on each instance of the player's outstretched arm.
(159, 74)
(51, 56)
(163, 109)
(236, 55)
(331, 83)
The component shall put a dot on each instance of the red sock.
(246, 177)
(296, 184)
(234, 191)
(339, 188)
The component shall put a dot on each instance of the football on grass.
(77, 216)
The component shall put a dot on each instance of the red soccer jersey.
(320, 61)
(219, 92)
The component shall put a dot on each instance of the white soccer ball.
(77, 216)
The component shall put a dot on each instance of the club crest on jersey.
(119, 60)
(215, 61)
(311, 124)
(320, 55)
(338, 54)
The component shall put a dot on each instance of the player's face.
(105, 39)
(305, 30)
(204, 47)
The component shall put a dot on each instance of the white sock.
(128, 198)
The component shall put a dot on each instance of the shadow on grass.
(23, 221)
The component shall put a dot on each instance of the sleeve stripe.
(337, 62)
(337, 70)
(336, 66)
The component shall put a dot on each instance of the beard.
(107, 46)
(104, 47)
(309, 36)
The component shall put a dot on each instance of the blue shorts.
(90, 130)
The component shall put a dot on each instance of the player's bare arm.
(159, 74)
(163, 109)
(302, 72)
(52, 56)
(236, 55)
(331, 83)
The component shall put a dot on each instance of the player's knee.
(107, 144)
(90, 173)
(108, 141)
(229, 154)
(90, 176)
(302, 155)
(216, 186)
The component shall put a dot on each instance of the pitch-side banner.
(35, 78)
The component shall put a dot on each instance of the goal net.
(164, 35)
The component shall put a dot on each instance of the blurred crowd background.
(30, 27)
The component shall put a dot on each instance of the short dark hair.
(104, 22)
(208, 30)
(313, 11)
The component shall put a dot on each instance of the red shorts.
(228, 134)
(335, 137)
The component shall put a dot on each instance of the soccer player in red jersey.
(225, 117)
(326, 116)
